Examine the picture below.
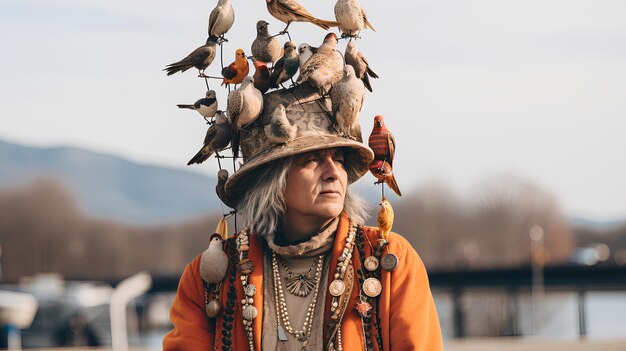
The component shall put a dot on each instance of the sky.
(472, 89)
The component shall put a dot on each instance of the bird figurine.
(351, 17)
(214, 261)
(305, 51)
(206, 107)
(325, 67)
(221, 19)
(361, 67)
(265, 47)
(347, 100)
(286, 67)
(244, 107)
(261, 75)
(234, 73)
(222, 177)
(385, 218)
(288, 11)
(216, 139)
(280, 130)
(200, 58)
(383, 143)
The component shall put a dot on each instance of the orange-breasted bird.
(383, 143)
(262, 76)
(236, 71)
(385, 218)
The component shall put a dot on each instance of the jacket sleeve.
(192, 330)
(413, 321)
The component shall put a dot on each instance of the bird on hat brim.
(293, 121)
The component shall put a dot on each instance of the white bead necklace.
(283, 315)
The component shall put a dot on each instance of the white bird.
(280, 130)
(214, 261)
(244, 107)
(347, 101)
(351, 17)
(305, 51)
(221, 19)
(206, 107)
(361, 67)
(325, 67)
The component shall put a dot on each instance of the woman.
(305, 274)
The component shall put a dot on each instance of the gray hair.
(263, 205)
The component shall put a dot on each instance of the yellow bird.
(236, 71)
(385, 218)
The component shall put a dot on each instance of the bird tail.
(391, 181)
(176, 67)
(199, 157)
(366, 82)
(371, 73)
(234, 143)
(191, 107)
(369, 25)
(325, 24)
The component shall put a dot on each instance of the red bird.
(383, 144)
(262, 77)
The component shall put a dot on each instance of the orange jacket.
(408, 318)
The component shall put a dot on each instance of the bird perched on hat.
(280, 130)
(361, 67)
(236, 71)
(265, 47)
(244, 106)
(351, 17)
(347, 100)
(217, 138)
(261, 76)
(325, 67)
(221, 19)
(383, 143)
(206, 107)
(305, 51)
(286, 67)
(200, 58)
(288, 11)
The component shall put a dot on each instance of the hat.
(315, 129)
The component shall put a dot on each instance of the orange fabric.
(408, 318)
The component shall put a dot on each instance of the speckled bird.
(383, 143)
(286, 67)
(288, 11)
(265, 47)
(236, 71)
(361, 67)
(325, 67)
(351, 17)
(244, 107)
(200, 58)
(217, 138)
(214, 261)
(347, 100)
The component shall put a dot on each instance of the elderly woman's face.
(316, 184)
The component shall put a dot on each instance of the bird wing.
(278, 67)
(295, 8)
(391, 141)
(205, 102)
(367, 23)
(367, 65)
(210, 134)
(235, 105)
(230, 71)
(196, 56)
(213, 19)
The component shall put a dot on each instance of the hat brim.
(357, 160)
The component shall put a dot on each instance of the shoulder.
(398, 245)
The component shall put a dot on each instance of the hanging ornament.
(385, 218)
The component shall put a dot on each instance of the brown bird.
(383, 143)
(385, 218)
(361, 67)
(236, 71)
(200, 58)
(262, 77)
(325, 67)
(288, 11)
(244, 107)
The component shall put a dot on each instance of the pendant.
(371, 263)
(300, 285)
(337, 287)
(363, 308)
(282, 335)
(372, 287)
(389, 262)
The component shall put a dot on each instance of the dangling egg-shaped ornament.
(249, 312)
(213, 308)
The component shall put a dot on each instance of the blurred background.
(510, 120)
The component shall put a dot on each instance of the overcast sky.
(471, 89)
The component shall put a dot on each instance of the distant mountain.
(111, 187)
